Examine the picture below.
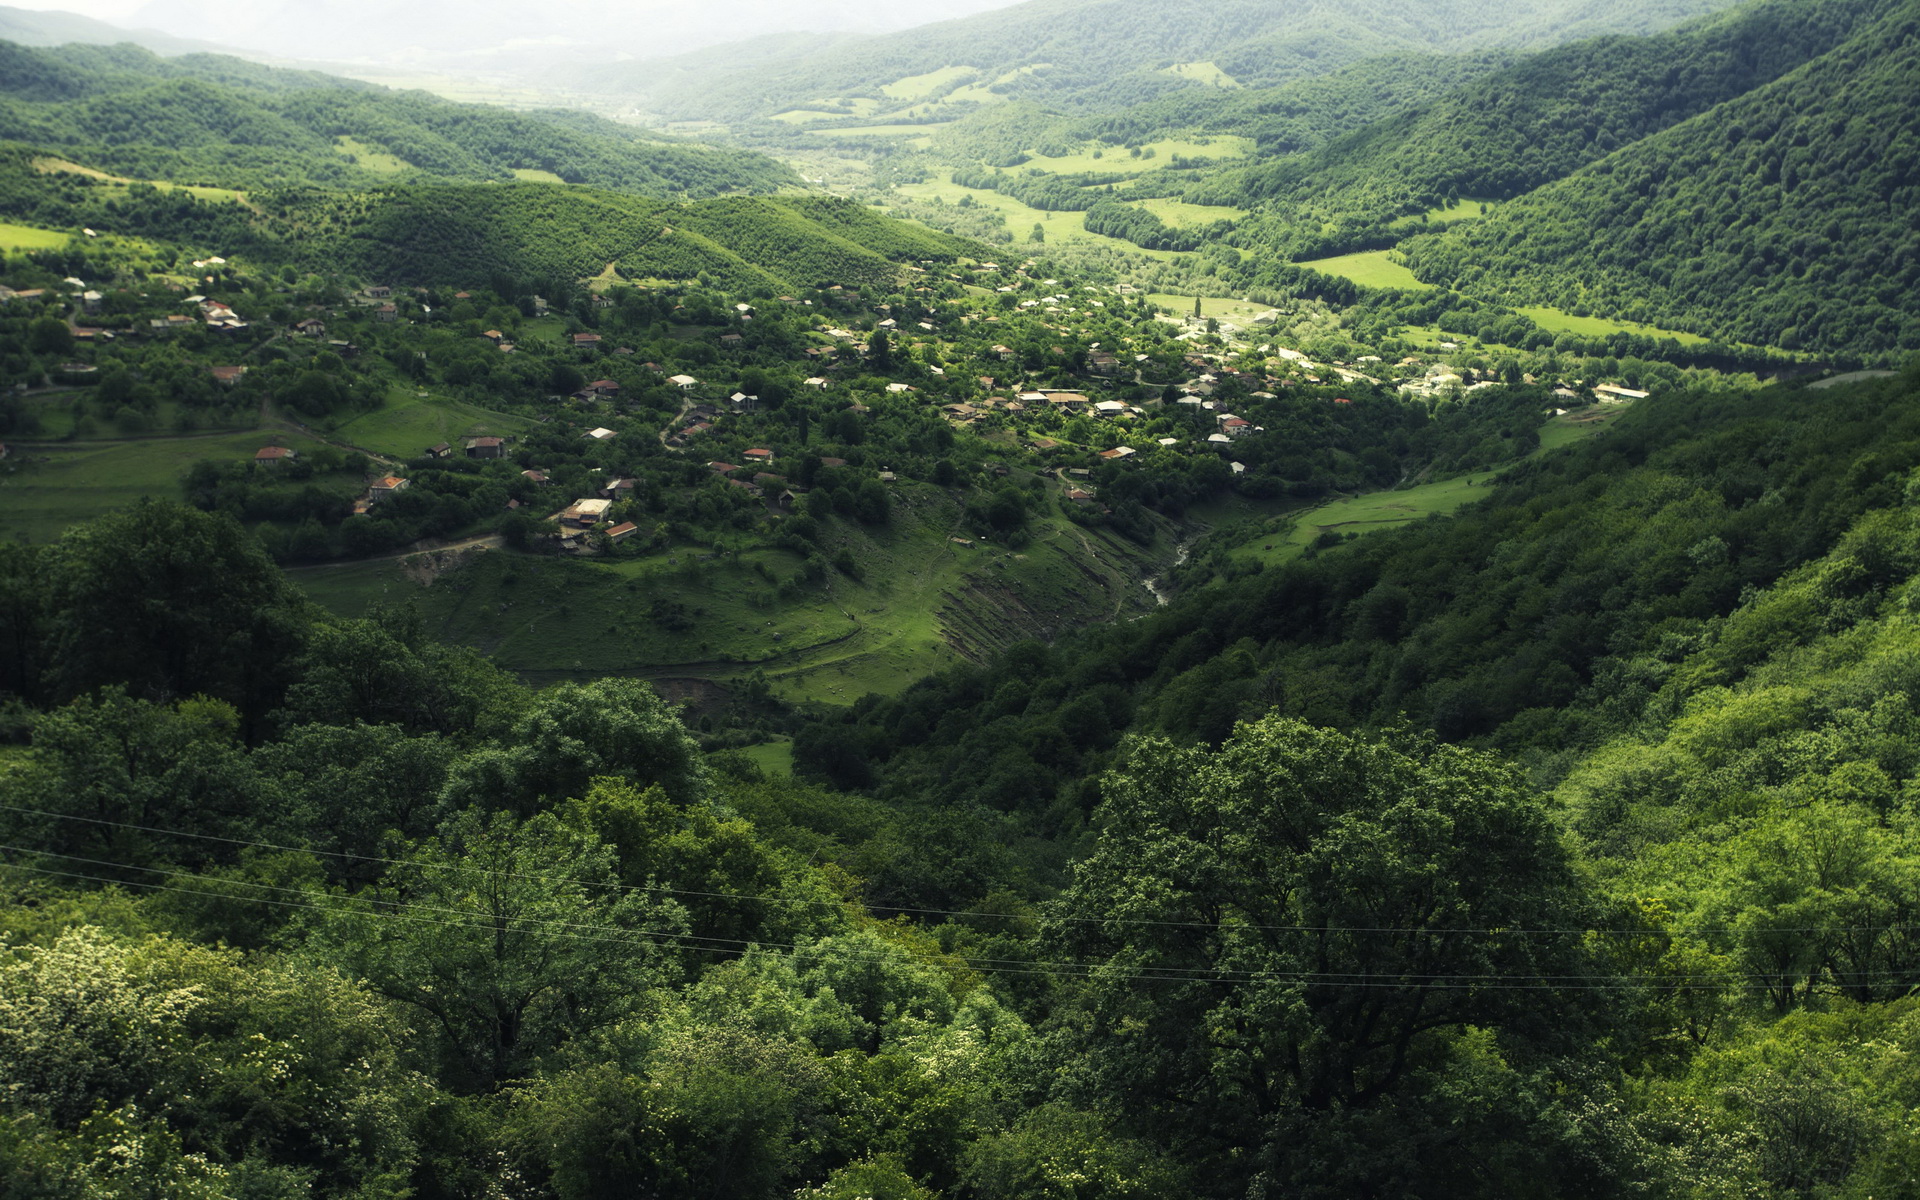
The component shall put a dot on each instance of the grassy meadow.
(915, 602)
(1286, 535)
(25, 237)
(1564, 322)
(1372, 268)
(408, 423)
(1202, 72)
(1114, 159)
(45, 487)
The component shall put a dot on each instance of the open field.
(1369, 269)
(409, 423)
(1288, 534)
(775, 758)
(46, 487)
(369, 158)
(531, 175)
(60, 166)
(25, 237)
(1365, 513)
(1579, 425)
(919, 130)
(1223, 308)
(916, 602)
(55, 415)
(1116, 160)
(983, 93)
(1463, 210)
(1180, 214)
(543, 329)
(1054, 226)
(1202, 72)
(1564, 322)
(929, 85)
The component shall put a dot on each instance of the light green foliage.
(573, 732)
(508, 939)
(285, 1071)
(1055, 1153)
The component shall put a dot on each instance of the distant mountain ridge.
(224, 121)
(42, 27)
(1076, 50)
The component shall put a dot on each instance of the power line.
(1695, 931)
(402, 910)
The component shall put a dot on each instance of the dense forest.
(1099, 55)
(1780, 217)
(341, 911)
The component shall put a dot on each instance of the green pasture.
(1115, 159)
(1579, 425)
(25, 237)
(774, 758)
(983, 93)
(1372, 268)
(57, 414)
(1180, 214)
(61, 166)
(1202, 72)
(1286, 535)
(1285, 538)
(1564, 322)
(1223, 308)
(1055, 226)
(1462, 210)
(535, 175)
(914, 602)
(910, 131)
(543, 329)
(408, 423)
(928, 86)
(369, 158)
(45, 487)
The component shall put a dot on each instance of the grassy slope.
(920, 602)
(45, 487)
(1289, 535)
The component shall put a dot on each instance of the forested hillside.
(319, 907)
(207, 119)
(1783, 217)
(1545, 117)
(1096, 55)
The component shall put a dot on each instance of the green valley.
(1094, 600)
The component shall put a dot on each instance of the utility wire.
(1695, 931)
(401, 910)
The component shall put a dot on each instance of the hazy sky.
(421, 30)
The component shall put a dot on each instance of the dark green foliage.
(1285, 929)
(1096, 52)
(170, 603)
(1777, 218)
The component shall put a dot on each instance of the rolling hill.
(1783, 217)
(210, 119)
(447, 234)
(1089, 55)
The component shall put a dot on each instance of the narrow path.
(489, 541)
(686, 406)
